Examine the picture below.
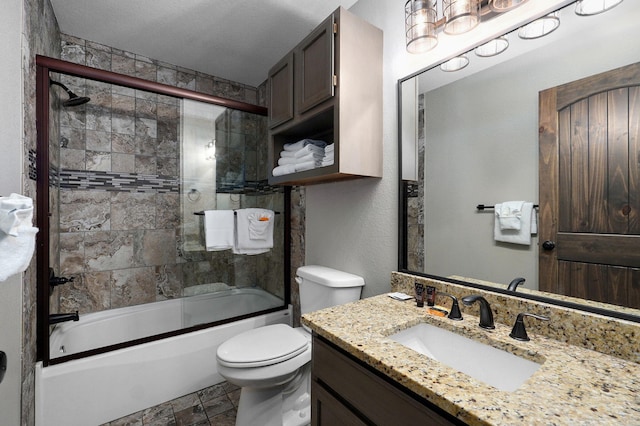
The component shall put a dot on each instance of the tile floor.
(213, 406)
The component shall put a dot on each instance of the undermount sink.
(500, 369)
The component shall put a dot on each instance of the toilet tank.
(322, 287)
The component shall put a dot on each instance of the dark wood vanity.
(347, 392)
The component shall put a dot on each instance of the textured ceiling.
(233, 39)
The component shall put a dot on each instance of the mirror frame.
(404, 188)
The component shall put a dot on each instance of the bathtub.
(104, 387)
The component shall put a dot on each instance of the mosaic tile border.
(134, 182)
(109, 181)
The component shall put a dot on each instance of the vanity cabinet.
(329, 87)
(345, 391)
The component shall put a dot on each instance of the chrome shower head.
(74, 100)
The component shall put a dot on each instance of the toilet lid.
(262, 346)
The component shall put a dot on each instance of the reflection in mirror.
(479, 145)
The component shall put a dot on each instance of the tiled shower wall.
(120, 215)
(415, 202)
(40, 35)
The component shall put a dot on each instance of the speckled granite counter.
(574, 385)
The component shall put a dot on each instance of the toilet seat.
(262, 346)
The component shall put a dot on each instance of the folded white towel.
(509, 214)
(17, 234)
(309, 149)
(284, 170)
(329, 148)
(254, 231)
(308, 165)
(300, 160)
(302, 143)
(219, 227)
(517, 236)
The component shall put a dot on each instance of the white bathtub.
(104, 387)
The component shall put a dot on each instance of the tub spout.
(57, 318)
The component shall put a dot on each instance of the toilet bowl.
(272, 364)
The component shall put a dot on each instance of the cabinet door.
(281, 88)
(328, 411)
(315, 67)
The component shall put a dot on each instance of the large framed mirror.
(472, 137)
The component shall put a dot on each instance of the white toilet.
(272, 364)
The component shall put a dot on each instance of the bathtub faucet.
(56, 318)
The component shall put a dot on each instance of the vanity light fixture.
(455, 64)
(540, 27)
(504, 5)
(423, 21)
(593, 7)
(420, 25)
(493, 47)
(461, 15)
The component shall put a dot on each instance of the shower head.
(74, 100)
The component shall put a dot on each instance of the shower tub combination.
(104, 387)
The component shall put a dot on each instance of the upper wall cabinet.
(329, 87)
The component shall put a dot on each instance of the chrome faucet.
(486, 317)
(454, 313)
(515, 283)
(519, 332)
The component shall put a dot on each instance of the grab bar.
(484, 207)
(202, 213)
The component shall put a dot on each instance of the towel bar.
(202, 213)
(484, 207)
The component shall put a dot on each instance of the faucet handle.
(519, 332)
(454, 313)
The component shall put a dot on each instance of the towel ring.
(194, 195)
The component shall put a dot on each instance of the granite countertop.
(573, 386)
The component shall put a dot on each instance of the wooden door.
(589, 180)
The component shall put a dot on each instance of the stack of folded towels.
(305, 154)
(327, 160)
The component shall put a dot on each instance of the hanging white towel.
(17, 235)
(517, 236)
(254, 231)
(15, 211)
(509, 214)
(219, 229)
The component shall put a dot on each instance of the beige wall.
(10, 181)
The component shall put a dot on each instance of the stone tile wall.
(40, 35)
(120, 215)
(415, 203)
